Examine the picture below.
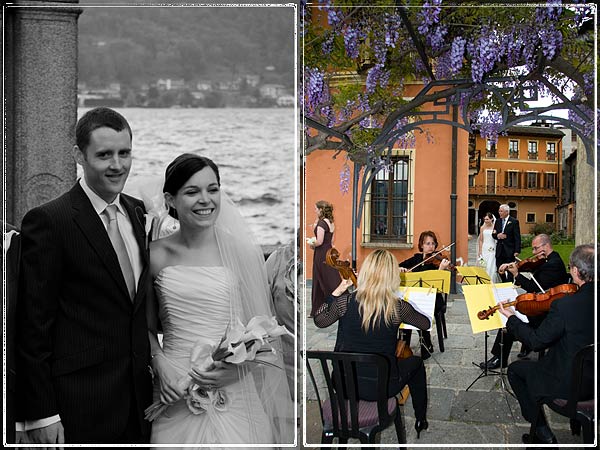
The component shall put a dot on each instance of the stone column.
(585, 196)
(41, 102)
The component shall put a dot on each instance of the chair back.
(339, 371)
(582, 379)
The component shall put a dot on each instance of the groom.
(83, 349)
(507, 233)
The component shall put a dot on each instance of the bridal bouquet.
(239, 344)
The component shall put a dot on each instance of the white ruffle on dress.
(488, 254)
(194, 302)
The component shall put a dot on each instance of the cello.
(347, 272)
(343, 267)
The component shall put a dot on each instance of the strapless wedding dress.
(488, 254)
(194, 302)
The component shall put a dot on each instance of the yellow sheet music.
(439, 279)
(422, 299)
(480, 297)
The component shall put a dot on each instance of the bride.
(487, 247)
(206, 275)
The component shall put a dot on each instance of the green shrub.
(542, 228)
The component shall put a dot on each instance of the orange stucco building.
(419, 185)
(523, 169)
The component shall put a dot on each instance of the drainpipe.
(453, 196)
(354, 218)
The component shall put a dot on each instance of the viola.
(534, 304)
(343, 267)
(529, 264)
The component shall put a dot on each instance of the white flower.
(311, 240)
(197, 399)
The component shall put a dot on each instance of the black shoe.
(421, 425)
(524, 352)
(490, 364)
(526, 438)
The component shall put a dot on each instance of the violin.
(437, 258)
(529, 264)
(534, 304)
(343, 267)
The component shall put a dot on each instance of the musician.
(508, 236)
(568, 327)
(368, 321)
(428, 245)
(549, 274)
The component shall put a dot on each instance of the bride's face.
(487, 220)
(198, 201)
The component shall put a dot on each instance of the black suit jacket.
(12, 278)
(568, 327)
(550, 274)
(83, 344)
(506, 248)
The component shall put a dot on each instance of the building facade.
(523, 169)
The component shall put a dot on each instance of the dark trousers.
(509, 339)
(502, 345)
(411, 371)
(520, 376)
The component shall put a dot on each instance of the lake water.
(255, 150)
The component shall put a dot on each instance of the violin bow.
(433, 255)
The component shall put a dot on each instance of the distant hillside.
(135, 45)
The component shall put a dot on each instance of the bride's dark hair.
(182, 169)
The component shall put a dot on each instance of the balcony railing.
(504, 191)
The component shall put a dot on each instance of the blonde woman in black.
(368, 320)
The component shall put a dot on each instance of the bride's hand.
(170, 390)
(220, 374)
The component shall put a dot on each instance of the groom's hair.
(98, 118)
(182, 169)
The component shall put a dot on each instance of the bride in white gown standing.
(206, 275)
(486, 245)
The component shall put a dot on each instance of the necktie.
(504, 224)
(119, 245)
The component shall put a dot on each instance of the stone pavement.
(485, 414)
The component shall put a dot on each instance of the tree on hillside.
(487, 59)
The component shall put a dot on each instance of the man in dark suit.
(552, 272)
(508, 236)
(568, 327)
(83, 343)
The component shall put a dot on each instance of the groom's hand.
(52, 434)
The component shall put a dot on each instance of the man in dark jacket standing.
(83, 348)
(508, 236)
(568, 327)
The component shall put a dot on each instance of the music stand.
(433, 279)
(476, 296)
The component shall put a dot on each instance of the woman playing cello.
(368, 322)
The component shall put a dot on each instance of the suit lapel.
(92, 228)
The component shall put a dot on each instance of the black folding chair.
(579, 407)
(343, 414)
